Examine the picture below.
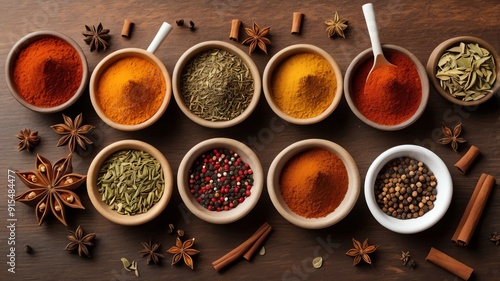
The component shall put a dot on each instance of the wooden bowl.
(96, 197)
(24, 43)
(281, 56)
(432, 67)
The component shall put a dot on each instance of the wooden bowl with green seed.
(130, 182)
(465, 70)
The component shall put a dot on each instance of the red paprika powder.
(48, 72)
(392, 95)
(314, 182)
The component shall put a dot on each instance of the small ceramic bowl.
(193, 52)
(432, 67)
(358, 61)
(24, 43)
(227, 216)
(281, 56)
(96, 197)
(444, 189)
(274, 190)
(107, 62)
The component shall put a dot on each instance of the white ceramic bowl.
(196, 50)
(282, 55)
(25, 42)
(222, 217)
(351, 71)
(274, 190)
(444, 189)
(107, 62)
(103, 208)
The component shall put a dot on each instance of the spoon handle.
(160, 36)
(371, 23)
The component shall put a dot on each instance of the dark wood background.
(418, 26)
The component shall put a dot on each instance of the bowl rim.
(197, 49)
(23, 43)
(118, 55)
(436, 55)
(103, 208)
(282, 55)
(367, 54)
(443, 200)
(345, 206)
(223, 217)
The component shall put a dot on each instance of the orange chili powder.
(314, 182)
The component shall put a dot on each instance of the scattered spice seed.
(495, 238)
(28, 249)
(130, 266)
(317, 262)
(180, 232)
(412, 264)
(452, 136)
(179, 22)
(219, 180)
(171, 228)
(191, 25)
(27, 139)
(262, 251)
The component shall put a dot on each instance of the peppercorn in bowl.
(464, 70)
(391, 100)
(34, 68)
(313, 183)
(216, 85)
(220, 180)
(302, 84)
(130, 182)
(408, 189)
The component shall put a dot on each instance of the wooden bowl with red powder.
(313, 183)
(392, 100)
(46, 71)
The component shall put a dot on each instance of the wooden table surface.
(418, 26)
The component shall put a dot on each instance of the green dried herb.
(131, 181)
(467, 72)
(217, 85)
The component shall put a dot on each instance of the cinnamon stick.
(473, 211)
(296, 22)
(452, 265)
(466, 161)
(127, 26)
(240, 250)
(249, 254)
(235, 29)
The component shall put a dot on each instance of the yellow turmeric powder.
(304, 85)
(131, 90)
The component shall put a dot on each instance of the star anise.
(97, 38)
(361, 251)
(452, 136)
(183, 250)
(50, 188)
(336, 26)
(150, 252)
(257, 38)
(73, 132)
(80, 242)
(495, 238)
(27, 139)
(405, 257)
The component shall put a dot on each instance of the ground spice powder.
(392, 95)
(314, 182)
(48, 72)
(131, 90)
(304, 85)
